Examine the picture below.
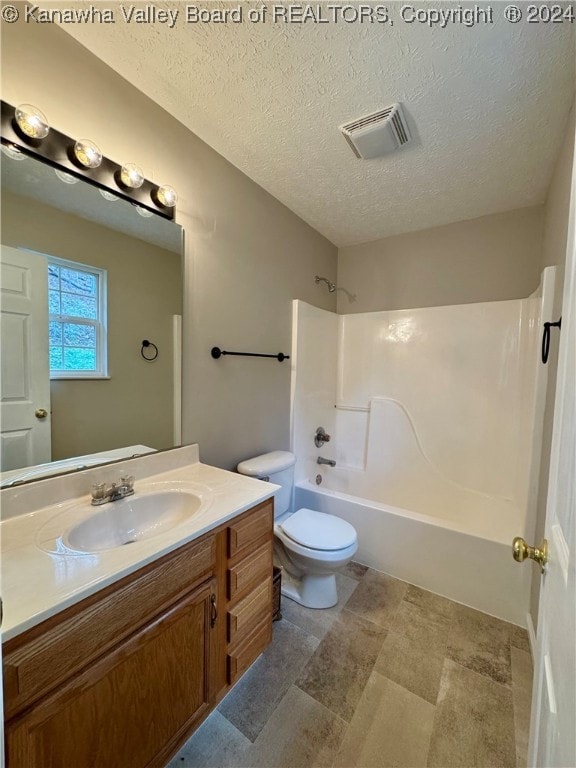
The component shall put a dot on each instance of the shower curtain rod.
(217, 352)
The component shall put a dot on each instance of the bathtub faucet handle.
(321, 437)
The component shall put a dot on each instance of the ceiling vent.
(377, 134)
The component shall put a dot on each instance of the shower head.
(331, 286)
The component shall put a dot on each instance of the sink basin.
(132, 519)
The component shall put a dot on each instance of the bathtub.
(467, 560)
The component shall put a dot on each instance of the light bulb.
(131, 176)
(108, 195)
(67, 178)
(144, 212)
(12, 151)
(87, 153)
(167, 196)
(31, 121)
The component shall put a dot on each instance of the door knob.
(521, 550)
(41, 413)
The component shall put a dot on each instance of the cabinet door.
(133, 707)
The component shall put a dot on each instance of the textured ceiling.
(487, 104)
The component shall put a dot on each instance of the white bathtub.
(458, 559)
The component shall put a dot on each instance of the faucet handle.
(128, 482)
(98, 490)
(321, 437)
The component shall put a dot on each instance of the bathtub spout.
(322, 460)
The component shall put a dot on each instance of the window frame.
(100, 323)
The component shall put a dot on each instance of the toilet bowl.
(309, 545)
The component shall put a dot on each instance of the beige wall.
(135, 405)
(556, 215)
(492, 258)
(247, 256)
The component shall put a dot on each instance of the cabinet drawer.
(250, 527)
(244, 615)
(240, 659)
(250, 571)
(48, 654)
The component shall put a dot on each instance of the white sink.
(132, 519)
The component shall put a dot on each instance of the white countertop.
(41, 577)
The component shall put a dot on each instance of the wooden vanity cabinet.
(125, 676)
(130, 706)
(249, 583)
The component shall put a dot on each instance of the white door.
(24, 362)
(553, 727)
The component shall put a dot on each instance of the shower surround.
(435, 417)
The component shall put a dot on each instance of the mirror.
(132, 405)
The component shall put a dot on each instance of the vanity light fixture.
(131, 176)
(24, 129)
(31, 121)
(166, 196)
(87, 153)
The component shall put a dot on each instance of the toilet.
(310, 546)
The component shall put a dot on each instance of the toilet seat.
(319, 531)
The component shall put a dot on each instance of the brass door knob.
(41, 413)
(521, 551)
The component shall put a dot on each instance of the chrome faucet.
(322, 460)
(103, 493)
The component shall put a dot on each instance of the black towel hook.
(145, 345)
(546, 339)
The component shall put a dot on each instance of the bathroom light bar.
(26, 130)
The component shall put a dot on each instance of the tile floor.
(391, 676)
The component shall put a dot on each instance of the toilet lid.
(318, 530)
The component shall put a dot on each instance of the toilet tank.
(276, 467)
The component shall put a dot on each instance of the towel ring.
(546, 339)
(145, 345)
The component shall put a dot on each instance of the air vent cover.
(377, 134)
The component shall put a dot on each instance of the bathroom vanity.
(126, 672)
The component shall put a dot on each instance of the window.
(77, 321)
